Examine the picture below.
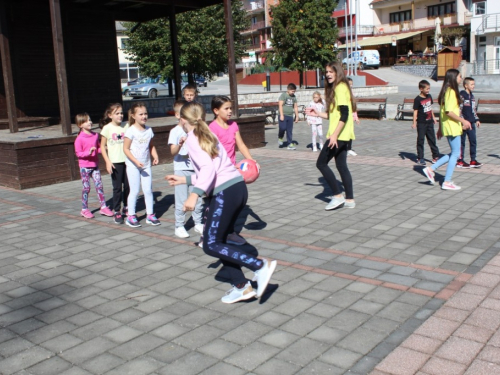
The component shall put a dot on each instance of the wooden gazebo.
(59, 58)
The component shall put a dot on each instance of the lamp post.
(268, 80)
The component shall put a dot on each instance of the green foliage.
(450, 34)
(201, 38)
(303, 31)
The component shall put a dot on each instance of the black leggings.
(222, 211)
(119, 180)
(340, 155)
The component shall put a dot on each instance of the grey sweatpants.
(181, 194)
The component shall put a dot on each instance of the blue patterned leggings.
(222, 211)
(95, 174)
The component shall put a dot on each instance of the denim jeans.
(450, 158)
(471, 133)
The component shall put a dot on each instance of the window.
(397, 17)
(480, 8)
(440, 9)
(123, 42)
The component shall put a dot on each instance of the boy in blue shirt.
(468, 108)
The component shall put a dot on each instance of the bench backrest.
(488, 101)
(371, 100)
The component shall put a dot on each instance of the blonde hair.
(131, 111)
(194, 114)
(317, 93)
(80, 119)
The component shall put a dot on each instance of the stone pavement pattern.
(352, 286)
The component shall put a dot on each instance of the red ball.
(249, 169)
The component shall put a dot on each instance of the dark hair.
(178, 104)
(423, 84)
(450, 82)
(291, 86)
(109, 111)
(218, 101)
(132, 109)
(330, 87)
(349, 79)
(467, 80)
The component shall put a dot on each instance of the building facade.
(485, 37)
(257, 36)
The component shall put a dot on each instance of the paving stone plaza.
(405, 283)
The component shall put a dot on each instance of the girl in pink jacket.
(87, 149)
(217, 179)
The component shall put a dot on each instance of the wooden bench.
(490, 109)
(372, 105)
(269, 109)
(406, 109)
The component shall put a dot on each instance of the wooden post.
(8, 79)
(233, 87)
(175, 51)
(62, 80)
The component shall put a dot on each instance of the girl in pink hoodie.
(87, 149)
(217, 179)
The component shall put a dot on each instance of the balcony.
(417, 24)
(362, 30)
(255, 6)
(255, 26)
(490, 24)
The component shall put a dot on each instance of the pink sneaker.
(106, 211)
(87, 214)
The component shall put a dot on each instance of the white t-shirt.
(319, 107)
(181, 160)
(140, 145)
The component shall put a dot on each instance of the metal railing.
(491, 23)
(256, 26)
(254, 5)
(486, 67)
(362, 30)
(416, 24)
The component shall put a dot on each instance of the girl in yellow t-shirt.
(451, 127)
(112, 136)
(340, 106)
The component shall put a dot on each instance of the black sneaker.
(421, 161)
(118, 218)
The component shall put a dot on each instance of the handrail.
(486, 66)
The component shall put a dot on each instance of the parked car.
(200, 81)
(137, 81)
(368, 58)
(159, 87)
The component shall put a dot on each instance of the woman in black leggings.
(340, 105)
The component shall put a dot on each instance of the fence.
(486, 67)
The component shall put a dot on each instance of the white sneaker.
(181, 232)
(234, 294)
(334, 203)
(315, 149)
(264, 276)
(321, 146)
(198, 228)
(351, 152)
(450, 186)
(349, 204)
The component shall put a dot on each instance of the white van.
(368, 58)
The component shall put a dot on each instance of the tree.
(451, 34)
(303, 34)
(201, 37)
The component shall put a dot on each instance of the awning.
(385, 39)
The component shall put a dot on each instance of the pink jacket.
(83, 143)
(211, 175)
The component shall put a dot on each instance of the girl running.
(340, 105)
(138, 147)
(112, 136)
(451, 127)
(87, 149)
(216, 177)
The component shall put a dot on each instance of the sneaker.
(198, 228)
(351, 153)
(334, 203)
(181, 232)
(434, 161)
(321, 146)
(349, 204)
(450, 186)
(421, 161)
(106, 211)
(132, 221)
(291, 146)
(87, 214)
(151, 219)
(280, 141)
(475, 164)
(235, 295)
(118, 218)
(462, 164)
(264, 276)
(235, 239)
(429, 173)
(315, 149)
(125, 211)
(200, 244)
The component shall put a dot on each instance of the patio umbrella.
(437, 34)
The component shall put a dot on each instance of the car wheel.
(126, 93)
(153, 94)
(205, 84)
